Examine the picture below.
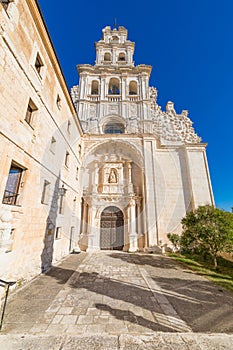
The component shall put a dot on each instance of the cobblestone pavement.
(116, 300)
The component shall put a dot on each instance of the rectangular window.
(58, 102)
(39, 64)
(68, 126)
(5, 3)
(13, 185)
(45, 193)
(67, 159)
(30, 113)
(77, 173)
(58, 233)
(61, 204)
(53, 145)
(61, 199)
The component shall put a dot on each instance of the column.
(84, 218)
(139, 217)
(102, 88)
(77, 223)
(133, 237)
(129, 177)
(114, 58)
(123, 87)
(95, 178)
(151, 188)
(129, 56)
(92, 236)
(83, 94)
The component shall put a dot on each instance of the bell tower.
(113, 96)
(114, 49)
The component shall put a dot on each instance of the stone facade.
(39, 132)
(121, 175)
(148, 164)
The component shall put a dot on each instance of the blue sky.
(189, 43)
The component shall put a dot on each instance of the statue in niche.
(112, 179)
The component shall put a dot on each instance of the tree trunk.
(215, 262)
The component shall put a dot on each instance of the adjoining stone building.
(40, 147)
(108, 170)
(143, 168)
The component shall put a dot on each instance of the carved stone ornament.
(173, 127)
(133, 110)
(112, 176)
(113, 109)
(75, 93)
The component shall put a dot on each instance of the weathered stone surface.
(123, 342)
(139, 294)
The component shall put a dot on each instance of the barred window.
(11, 192)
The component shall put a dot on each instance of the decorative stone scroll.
(170, 126)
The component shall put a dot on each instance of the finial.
(115, 23)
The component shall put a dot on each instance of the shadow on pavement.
(145, 259)
(213, 307)
(125, 315)
(198, 302)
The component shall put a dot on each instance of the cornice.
(99, 69)
(187, 146)
(120, 45)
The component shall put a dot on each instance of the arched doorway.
(112, 229)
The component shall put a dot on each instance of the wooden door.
(112, 229)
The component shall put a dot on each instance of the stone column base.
(133, 243)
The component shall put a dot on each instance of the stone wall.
(34, 234)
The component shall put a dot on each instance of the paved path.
(124, 299)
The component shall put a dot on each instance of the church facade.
(143, 168)
(102, 168)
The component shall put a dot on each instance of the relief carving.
(113, 109)
(112, 176)
(170, 126)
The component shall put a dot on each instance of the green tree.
(208, 230)
(175, 239)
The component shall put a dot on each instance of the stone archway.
(112, 229)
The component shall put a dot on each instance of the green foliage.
(224, 275)
(207, 231)
(175, 239)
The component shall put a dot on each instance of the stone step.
(160, 341)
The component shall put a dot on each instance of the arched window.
(114, 87)
(115, 39)
(114, 128)
(133, 88)
(107, 57)
(95, 87)
(121, 57)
